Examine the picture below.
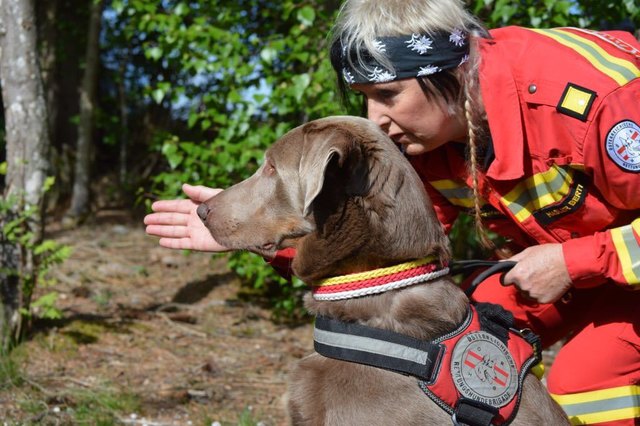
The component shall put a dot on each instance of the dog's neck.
(342, 243)
(415, 298)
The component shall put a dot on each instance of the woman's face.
(409, 117)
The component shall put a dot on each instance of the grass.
(10, 372)
(101, 406)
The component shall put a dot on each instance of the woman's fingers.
(199, 193)
(168, 219)
(176, 243)
(165, 231)
(177, 206)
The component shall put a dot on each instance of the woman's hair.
(361, 22)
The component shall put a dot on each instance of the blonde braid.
(478, 131)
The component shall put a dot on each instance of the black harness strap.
(473, 413)
(376, 347)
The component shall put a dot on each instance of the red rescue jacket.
(563, 107)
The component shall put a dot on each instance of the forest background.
(113, 104)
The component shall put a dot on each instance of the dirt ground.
(155, 327)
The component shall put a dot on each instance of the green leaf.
(158, 95)
(181, 9)
(268, 54)
(300, 84)
(174, 157)
(154, 53)
(306, 16)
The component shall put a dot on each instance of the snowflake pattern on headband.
(380, 46)
(381, 76)
(457, 37)
(348, 77)
(419, 43)
(428, 70)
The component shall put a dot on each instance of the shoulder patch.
(576, 101)
(623, 145)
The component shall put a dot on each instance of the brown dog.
(341, 193)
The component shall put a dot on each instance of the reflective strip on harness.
(375, 347)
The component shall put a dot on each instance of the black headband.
(414, 55)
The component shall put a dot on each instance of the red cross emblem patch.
(623, 145)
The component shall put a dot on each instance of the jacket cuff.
(585, 261)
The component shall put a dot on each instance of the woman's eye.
(385, 95)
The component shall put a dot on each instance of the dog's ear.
(325, 147)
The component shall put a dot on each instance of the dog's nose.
(203, 211)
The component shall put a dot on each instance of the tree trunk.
(27, 141)
(48, 34)
(81, 182)
(124, 127)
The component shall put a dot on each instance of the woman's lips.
(397, 138)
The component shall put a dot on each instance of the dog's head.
(339, 191)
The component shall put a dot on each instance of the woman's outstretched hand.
(177, 223)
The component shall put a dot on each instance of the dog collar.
(378, 280)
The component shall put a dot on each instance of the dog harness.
(474, 373)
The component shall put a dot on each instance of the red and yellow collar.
(378, 280)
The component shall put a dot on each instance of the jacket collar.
(502, 104)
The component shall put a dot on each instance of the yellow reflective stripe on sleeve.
(458, 193)
(538, 191)
(620, 70)
(601, 405)
(628, 249)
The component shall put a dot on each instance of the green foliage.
(11, 375)
(104, 407)
(283, 295)
(239, 75)
(593, 14)
(45, 254)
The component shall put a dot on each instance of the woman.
(534, 132)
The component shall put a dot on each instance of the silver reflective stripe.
(626, 401)
(366, 344)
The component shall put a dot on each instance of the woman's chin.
(414, 149)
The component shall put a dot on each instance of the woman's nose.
(377, 114)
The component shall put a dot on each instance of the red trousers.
(595, 376)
